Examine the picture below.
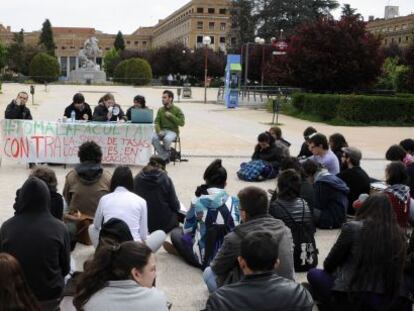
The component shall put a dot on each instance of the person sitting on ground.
(276, 133)
(167, 122)
(108, 110)
(82, 110)
(261, 287)
(123, 204)
(304, 149)
(337, 141)
(15, 293)
(56, 200)
(120, 277)
(254, 212)
(408, 145)
(398, 192)
(211, 216)
(331, 196)
(17, 109)
(363, 270)
(267, 151)
(156, 187)
(139, 103)
(397, 153)
(318, 145)
(84, 186)
(353, 175)
(39, 242)
(295, 213)
(306, 187)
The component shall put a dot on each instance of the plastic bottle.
(73, 116)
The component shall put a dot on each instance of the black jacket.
(56, 204)
(100, 113)
(14, 111)
(261, 292)
(38, 241)
(78, 113)
(358, 182)
(162, 203)
(304, 151)
(272, 154)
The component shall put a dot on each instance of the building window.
(392, 40)
(222, 11)
(128, 42)
(63, 47)
(399, 40)
(200, 39)
(136, 42)
(222, 40)
(144, 43)
(406, 38)
(385, 41)
(211, 25)
(211, 10)
(200, 10)
(107, 49)
(200, 25)
(222, 26)
(212, 40)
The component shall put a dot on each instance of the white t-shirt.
(127, 206)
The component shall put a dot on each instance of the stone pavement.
(211, 131)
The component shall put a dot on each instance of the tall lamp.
(206, 43)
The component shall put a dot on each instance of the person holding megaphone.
(108, 110)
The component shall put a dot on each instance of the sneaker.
(170, 248)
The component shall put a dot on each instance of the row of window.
(391, 29)
(212, 11)
(211, 26)
(200, 39)
(407, 38)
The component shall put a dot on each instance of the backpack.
(305, 253)
(255, 170)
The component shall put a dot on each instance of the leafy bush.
(136, 71)
(44, 68)
(357, 108)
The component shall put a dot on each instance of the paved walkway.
(211, 131)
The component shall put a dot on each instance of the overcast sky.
(128, 15)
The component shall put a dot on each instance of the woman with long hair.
(15, 294)
(364, 269)
(120, 277)
(122, 203)
(337, 141)
(108, 110)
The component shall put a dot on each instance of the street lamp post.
(261, 42)
(206, 42)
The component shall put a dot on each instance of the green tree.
(16, 52)
(46, 38)
(242, 24)
(44, 68)
(119, 43)
(111, 59)
(273, 15)
(3, 56)
(136, 71)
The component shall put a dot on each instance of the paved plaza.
(211, 131)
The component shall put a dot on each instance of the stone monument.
(89, 72)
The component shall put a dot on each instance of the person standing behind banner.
(168, 119)
(139, 103)
(17, 108)
(108, 110)
(82, 110)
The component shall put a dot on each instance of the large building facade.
(393, 29)
(188, 25)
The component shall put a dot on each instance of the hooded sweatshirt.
(38, 241)
(84, 186)
(162, 203)
(331, 198)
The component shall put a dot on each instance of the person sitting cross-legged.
(254, 212)
(168, 119)
(211, 216)
(261, 287)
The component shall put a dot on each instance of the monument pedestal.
(88, 76)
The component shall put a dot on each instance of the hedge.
(136, 71)
(44, 68)
(356, 108)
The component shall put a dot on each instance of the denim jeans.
(163, 145)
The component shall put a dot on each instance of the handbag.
(305, 253)
(78, 225)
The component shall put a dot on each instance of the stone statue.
(87, 56)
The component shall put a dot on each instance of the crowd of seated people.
(248, 246)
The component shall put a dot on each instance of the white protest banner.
(58, 142)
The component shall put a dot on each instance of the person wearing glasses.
(17, 108)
